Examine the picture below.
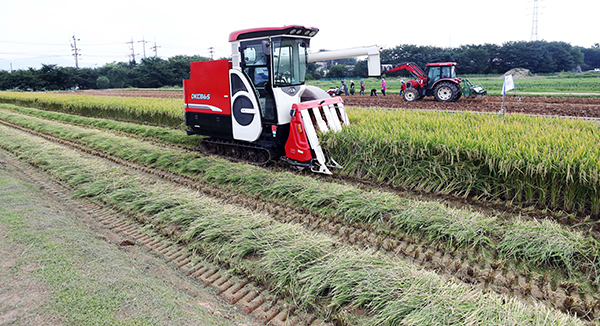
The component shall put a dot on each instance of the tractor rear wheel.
(446, 92)
(411, 94)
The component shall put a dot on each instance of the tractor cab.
(440, 70)
(274, 61)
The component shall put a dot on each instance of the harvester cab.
(438, 80)
(256, 107)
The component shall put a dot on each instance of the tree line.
(537, 56)
(151, 72)
(154, 72)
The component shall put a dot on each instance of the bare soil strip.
(463, 265)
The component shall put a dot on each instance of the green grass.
(543, 84)
(312, 269)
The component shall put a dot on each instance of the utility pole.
(211, 50)
(132, 55)
(155, 49)
(143, 41)
(75, 50)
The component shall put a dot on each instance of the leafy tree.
(152, 73)
(102, 82)
(5, 80)
(338, 71)
(180, 68)
(591, 57)
(26, 80)
(311, 71)
(119, 74)
(361, 69)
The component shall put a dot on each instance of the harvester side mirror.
(266, 47)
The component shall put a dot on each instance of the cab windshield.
(289, 61)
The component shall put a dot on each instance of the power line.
(27, 43)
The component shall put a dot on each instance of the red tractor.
(439, 80)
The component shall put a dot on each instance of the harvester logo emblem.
(200, 96)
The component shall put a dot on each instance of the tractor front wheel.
(446, 92)
(411, 94)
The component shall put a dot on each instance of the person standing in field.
(352, 87)
(383, 86)
(402, 87)
(345, 87)
(362, 87)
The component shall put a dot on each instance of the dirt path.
(60, 266)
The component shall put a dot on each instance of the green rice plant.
(546, 242)
(156, 111)
(396, 294)
(162, 134)
(529, 160)
(453, 226)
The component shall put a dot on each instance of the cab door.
(432, 76)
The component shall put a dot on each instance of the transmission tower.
(132, 55)
(534, 27)
(75, 50)
(211, 50)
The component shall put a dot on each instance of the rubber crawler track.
(459, 263)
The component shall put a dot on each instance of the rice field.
(549, 163)
(315, 271)
(544, 162)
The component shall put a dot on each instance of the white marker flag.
(508, 84)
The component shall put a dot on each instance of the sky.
(33, 32)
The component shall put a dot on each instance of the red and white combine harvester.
(256, 106)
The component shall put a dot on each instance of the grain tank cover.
(291, 30)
